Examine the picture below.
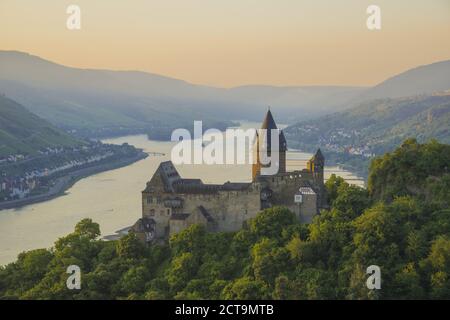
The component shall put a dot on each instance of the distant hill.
(103, 101)
(377, 126)
(25, 133)
(425, 79)
(99, 99)
(297, 102)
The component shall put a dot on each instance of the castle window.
(168, 211)
(158, 200)
(149, 200)
(152, 212)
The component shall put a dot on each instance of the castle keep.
(171, 203)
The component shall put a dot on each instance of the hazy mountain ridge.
(424, 79)
(377, 126)
(24, 133)
(103, 98)
(104, 102)
(305, 102)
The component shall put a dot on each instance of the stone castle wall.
(173, 203)
(228, 208)
(286, 186)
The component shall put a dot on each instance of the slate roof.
(269, 124)
(319, 156)
(144, 225)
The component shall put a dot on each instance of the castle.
(171, 203)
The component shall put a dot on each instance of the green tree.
(182, 268)
(271, 222)
(130, 247)
(87, 228)
(332, 185)
(351, 200)
(134, 280)
(269, 260)
(281, 290)
(246, 289)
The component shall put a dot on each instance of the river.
(112, 198)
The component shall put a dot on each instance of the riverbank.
(112, 198)
(358, 165)
(62, 184)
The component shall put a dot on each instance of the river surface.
(113, 198)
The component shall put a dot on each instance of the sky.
(229, 43)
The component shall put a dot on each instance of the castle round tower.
(263, 144)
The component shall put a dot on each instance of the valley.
(355, 136)
(39, 161)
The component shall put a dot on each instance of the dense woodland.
(401, 223)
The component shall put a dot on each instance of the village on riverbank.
(30, 179)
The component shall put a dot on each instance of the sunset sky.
(234, 42)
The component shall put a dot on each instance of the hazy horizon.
(229, 44)
(214, 86)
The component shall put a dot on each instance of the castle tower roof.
(269, 124)
(319, 156)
